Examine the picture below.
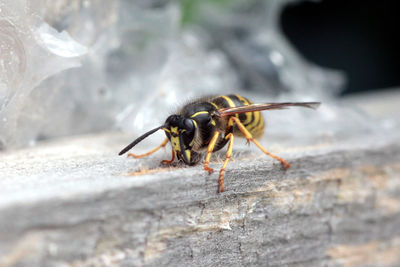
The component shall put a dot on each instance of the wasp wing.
(266, 106)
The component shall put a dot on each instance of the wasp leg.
(221, 186)
(249, 137)
(168, 162)
(210, 149)
(163, 144)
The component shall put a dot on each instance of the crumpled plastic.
(30, 53)
(72, 67)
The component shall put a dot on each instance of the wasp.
(207, 124)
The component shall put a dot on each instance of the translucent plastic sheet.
(31, 51)
(137, 64)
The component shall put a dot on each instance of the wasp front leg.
(250, 137)
(163, 144)
(168, 162)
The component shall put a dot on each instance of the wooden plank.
(71, 202)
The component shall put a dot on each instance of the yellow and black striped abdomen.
(253, 121)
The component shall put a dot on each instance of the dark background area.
(359, 37)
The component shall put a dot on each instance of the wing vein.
(266, 106)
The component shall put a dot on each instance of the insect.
(207, 124)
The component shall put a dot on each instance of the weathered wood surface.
(71, 203)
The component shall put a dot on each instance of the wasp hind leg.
(249, 137)
(221, 186)
(163, 144)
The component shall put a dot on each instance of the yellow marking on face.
(175, 143)
(167, 130)
(174, 130)
(199, 113)
(187, 154)
(213, 122)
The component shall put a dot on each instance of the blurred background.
(358, 38)
(81, 66)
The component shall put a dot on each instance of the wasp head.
(180, 131)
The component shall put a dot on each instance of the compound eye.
(189, 133)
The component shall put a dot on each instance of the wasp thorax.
(180, 131)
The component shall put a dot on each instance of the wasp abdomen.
(253, 121)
